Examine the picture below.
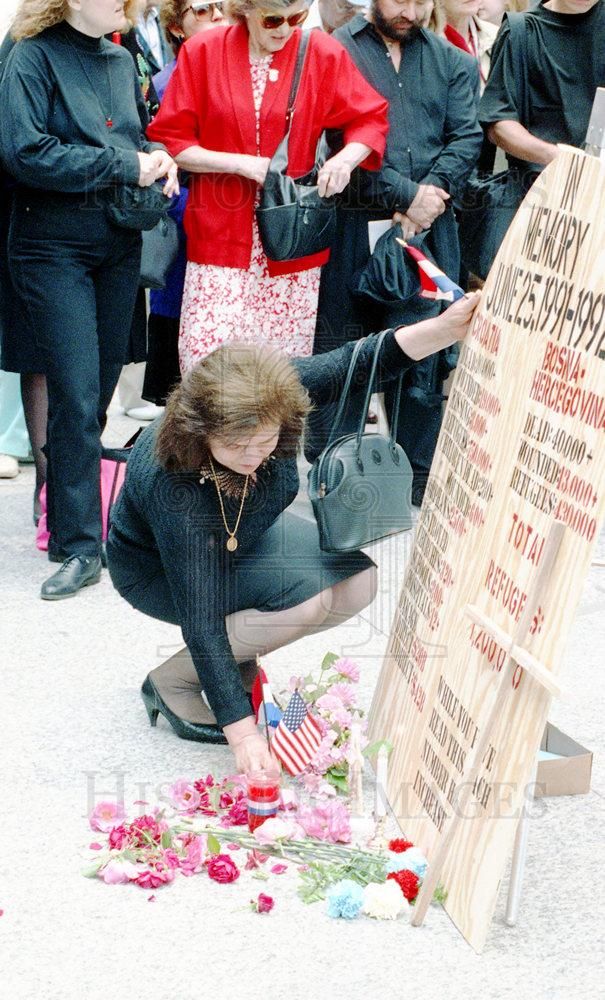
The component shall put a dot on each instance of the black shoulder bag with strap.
(490, 203)
(360, 486)
(293, 220)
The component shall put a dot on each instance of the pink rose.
(222, 868)
(106, 815)
(277, 828)
(185, 797)
(263, 904)
(195, 854)
(118, 871)
(346, 668)
(145, 829)
(238, 813)
(118, 837)
(156, 874)
(326, 821)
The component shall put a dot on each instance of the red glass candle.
(263, 797)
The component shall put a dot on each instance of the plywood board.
(522, 444)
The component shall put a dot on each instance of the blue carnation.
(345, 899)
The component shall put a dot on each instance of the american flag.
(296, 739)
(434, 284)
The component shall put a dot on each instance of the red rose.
(399, 846)
(408, 882)
(264, 903)
(222, 868)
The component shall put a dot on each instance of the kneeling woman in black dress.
(201, 535)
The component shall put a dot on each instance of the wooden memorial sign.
(521, 447)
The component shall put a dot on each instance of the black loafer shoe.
(75, 573)
(58, 555)
(197, 731)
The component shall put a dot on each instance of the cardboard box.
(568, 771)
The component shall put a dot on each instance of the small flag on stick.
(297, 738)
(265, 707)
(434, 284)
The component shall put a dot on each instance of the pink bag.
(112, 478)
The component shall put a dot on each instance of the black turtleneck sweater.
(58, 91)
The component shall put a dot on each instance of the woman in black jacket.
(72, 138)
(201, 536)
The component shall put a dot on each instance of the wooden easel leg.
(539, 585)
(517, 869)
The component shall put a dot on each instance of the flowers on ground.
(327, 821)
(408, 882)
(222, 868)
(384, 901)
(345, 899)
(262, 903)
(106, 815)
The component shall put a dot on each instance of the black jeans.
(76, 276)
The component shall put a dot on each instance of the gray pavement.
(74, 730)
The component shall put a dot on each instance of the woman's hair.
(171, 12)
(230, 394)
(34, 16)
(236, 10)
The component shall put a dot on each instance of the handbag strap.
(368, 397)
(300, 59)
(344, 396)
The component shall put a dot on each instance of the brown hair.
(34, 16)
(171, 13)
(229, 394)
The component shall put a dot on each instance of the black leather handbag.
(132, 207)
(159, 252)
(293, 220)
(360, 486)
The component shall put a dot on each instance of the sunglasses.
(271, 21)
(199, 10)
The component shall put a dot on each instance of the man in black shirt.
(565, 54)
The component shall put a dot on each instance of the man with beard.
(433, 143)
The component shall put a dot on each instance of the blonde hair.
(236, 10)
(34, 16)
(229, 394)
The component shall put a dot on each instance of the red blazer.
(208, 102)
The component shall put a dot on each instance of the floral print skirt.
(227, 304)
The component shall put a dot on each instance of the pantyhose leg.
(254, 632)
(35, 408)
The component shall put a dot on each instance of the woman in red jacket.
(222, 117)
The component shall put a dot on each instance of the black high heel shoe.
(156, 705)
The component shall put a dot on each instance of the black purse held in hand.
(360, 486)
(132, 207)
(293, 220)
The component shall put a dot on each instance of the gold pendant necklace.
(231, 542)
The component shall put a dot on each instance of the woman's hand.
(432, 335)
(147, 170)
(166, 167)
(333, 177)
(252, 754)
(250, 748)
(253, 167)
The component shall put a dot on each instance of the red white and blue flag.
(266, 709)
(434, 284)
(297, 737)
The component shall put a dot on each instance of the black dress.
(166, 548)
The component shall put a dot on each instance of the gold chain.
(231, 540)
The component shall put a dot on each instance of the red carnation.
(408, 882)
(399, 846)
(222, 868)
